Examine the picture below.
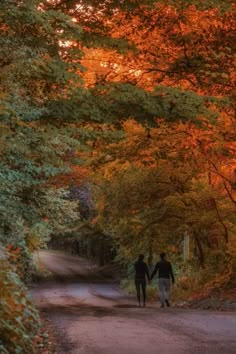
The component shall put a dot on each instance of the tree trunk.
(201, 255)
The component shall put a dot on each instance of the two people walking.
(165, 276)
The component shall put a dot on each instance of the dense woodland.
(118, 132)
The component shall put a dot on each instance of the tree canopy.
(117, 117)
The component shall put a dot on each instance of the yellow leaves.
(115, 167)
(133, 128)
(20, 123)
(174, 143)
(33, 241)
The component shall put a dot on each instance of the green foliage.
(19, 321)
(62, 215)
(111, 102)
(34, 69)
(222, 5)
(184, 105)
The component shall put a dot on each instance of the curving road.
(92, 315)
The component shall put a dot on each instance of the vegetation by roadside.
(45, 342)
(223, 299)
(196, 287)
(19, 320)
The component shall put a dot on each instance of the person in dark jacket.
(165, 273)
(141, 272)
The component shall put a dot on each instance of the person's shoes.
(162, 306)
(167, 303)
(139, 305)
(144, 304)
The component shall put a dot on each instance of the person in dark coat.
(165, 275)
(141, 273)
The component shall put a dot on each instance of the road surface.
(92, 315)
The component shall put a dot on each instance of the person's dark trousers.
(141, 284)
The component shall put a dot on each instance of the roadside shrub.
(19, 321)
(19, 257)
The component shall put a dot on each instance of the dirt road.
(93, 316)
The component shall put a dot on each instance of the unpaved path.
(93, 316)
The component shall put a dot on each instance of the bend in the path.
(93, 316)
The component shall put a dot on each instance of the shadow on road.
(92, 315)
(125, 306)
